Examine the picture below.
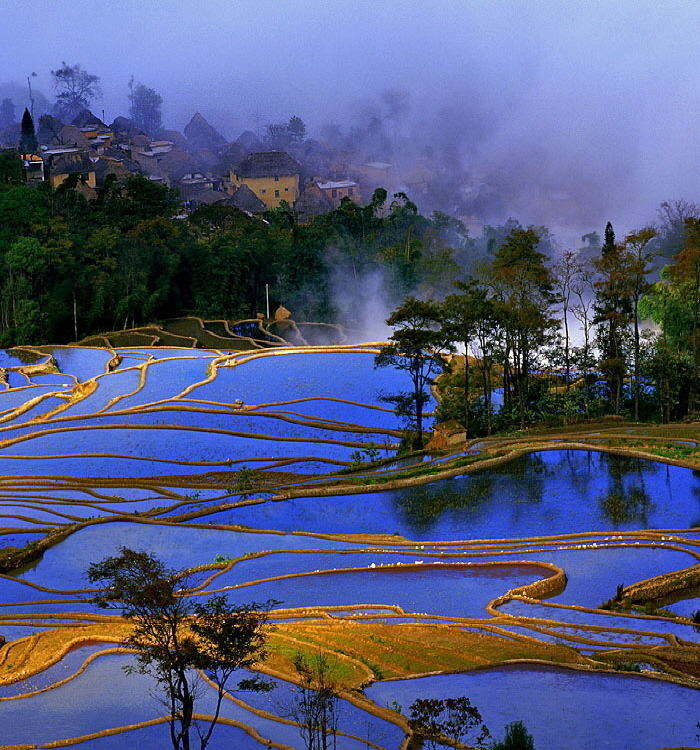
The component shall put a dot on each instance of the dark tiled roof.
(85, 118)
(267, 164)
(70, 163)
(202, 134)
(245, 199)
(126, 126)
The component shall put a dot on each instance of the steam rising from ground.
(362, 303)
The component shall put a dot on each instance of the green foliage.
(434, 719)
(416, 348)
(28, 143)
(124, 260)
(516, 738)
(245, 481)
(370, 453)
(10, 170)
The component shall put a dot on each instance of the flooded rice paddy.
(147, 452)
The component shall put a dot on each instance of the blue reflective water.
(545, 493)
(177, 546)
(166, 379)
(163, 443)
(565, 709)
(108, 387)
(267, 379)
(84, 363)
(452, 591)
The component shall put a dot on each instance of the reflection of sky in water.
(12, 399)
(82, 706)
(455, 592)
(108, 387)
(166, 379)
(177, 546)
(578, 617)
(547, 493)
(82, 362)
(565, 709)
(346, 375)
(162, 443)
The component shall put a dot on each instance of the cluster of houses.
(310, 176)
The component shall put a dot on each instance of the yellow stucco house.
(272, 175)
(64, 161)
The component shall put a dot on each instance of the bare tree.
(175, 639)
(316, 704)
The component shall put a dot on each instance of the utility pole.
(31, 96)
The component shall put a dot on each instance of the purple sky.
(592, 92)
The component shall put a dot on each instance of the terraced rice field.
(252, 468)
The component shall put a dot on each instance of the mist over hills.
(568, 116)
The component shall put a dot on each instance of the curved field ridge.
(270, 471)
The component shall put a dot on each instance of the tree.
(75, 90)
(435, 719)
(277, 136)
(416, 348)
(583, 292)
(462, 316)
(28, 143)
(639, 258)
(145, 108)
(516, 738)
(11, 174)
(174, 637)
(316, 702)
(613, 312)
(671, 225)
(565, 274)
(296, 128)
(523, 288)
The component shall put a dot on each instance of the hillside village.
(204, 167)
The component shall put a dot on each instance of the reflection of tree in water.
(519, 481)
(695, 491)
(627, 500)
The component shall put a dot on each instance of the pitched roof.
(267, 164)
(245, 199)
(70, 163)
(85, 118)
(202, 134)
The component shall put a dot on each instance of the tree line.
(72, 267)
(634, 349)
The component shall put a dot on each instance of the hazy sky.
(598, 96)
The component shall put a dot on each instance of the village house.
(33, 166)
(63, 161)
(335, 191)
(272, 175)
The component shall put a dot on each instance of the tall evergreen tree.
(613, 312)
(609, 244)
(28, 143)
